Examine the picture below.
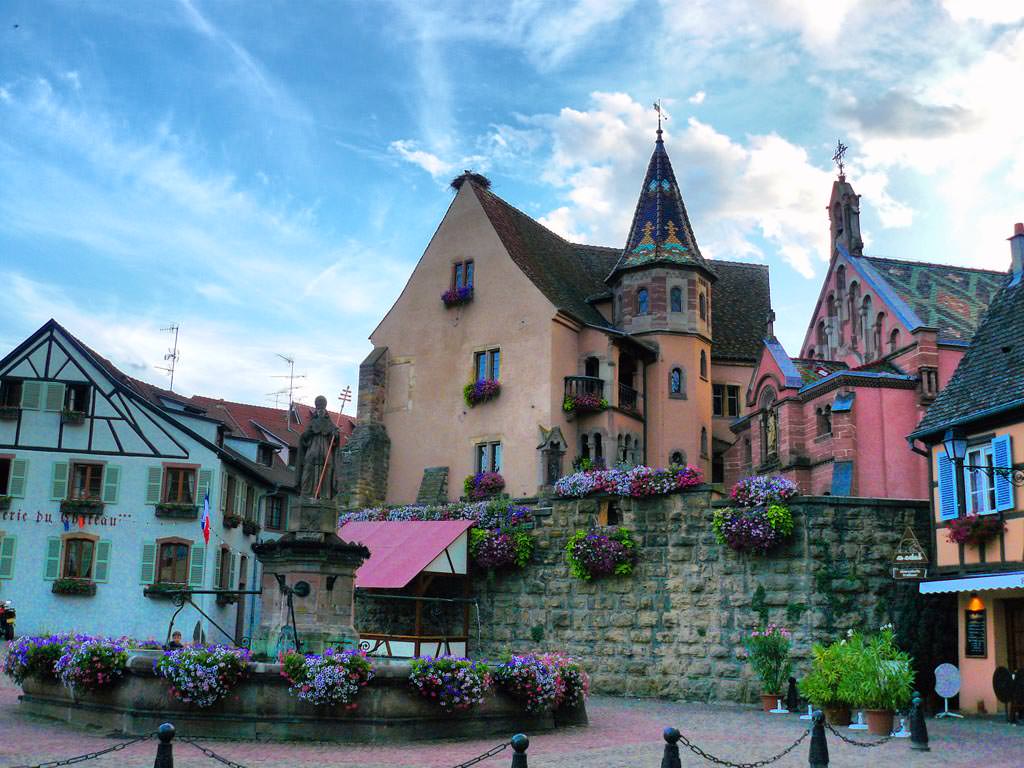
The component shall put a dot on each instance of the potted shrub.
(820, 686)
(232, 521)
(768, 653)
(877, 677)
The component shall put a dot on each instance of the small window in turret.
(676, 299)
(642, 303)
(703, 306)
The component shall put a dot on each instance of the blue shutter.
(947, 488)
(1002, 456)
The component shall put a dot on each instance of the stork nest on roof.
(477, 178)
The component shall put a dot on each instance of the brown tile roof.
(245, 420)
(741, 299)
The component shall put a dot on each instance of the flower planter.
(975, 530)
(223, 600)
(232, 521)
(162, 591)
(837, 714)
(770, 701)
(5, 503)
(175, 511)
(72, 417)
(74, 587)
(455, 297)
(250, 527)
(76, 507)
(481, 391)
(879, 721)
(9, 412)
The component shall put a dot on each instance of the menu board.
(977, 633)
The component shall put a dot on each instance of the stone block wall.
(675, 627)
(366, 456)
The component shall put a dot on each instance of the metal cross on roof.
(837, 158)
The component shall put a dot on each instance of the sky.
(266, 174)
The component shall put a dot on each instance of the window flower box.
(232, 521)
(483, 485)
(225, 599)
(455, 297)
(163, 590)
(175, 510)
(76, 507)
(480, 391)
(69, 416)
(5, 503)
(250, 527)
(975, 530)
(586, 402)
(9, 412)
(81, 587)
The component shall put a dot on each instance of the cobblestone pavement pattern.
(624, 733)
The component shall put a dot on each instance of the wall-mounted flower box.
(173, 510)
(250, 527)
(976, 530)
(483, 485)
(224, 599)
(455, 297)
(5, 503)
(587, 402)
(163, 590)
(78, 587)
(232, 521)
(72, 417)
(9, 412)
(481, 391)
(77, 507)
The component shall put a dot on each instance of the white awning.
(1013, 580)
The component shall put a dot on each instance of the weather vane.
(837, 158)
(661, 113)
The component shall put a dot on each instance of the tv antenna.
(291, 376)
(172, 355)
(276, 396)
(345, 398)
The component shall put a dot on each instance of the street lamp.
(955, 443)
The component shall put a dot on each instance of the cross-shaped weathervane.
(345, 397)
(661, 113)
(837, 158)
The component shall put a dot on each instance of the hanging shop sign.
(910, 561)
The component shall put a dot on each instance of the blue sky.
(266, 174)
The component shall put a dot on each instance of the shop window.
(172, 563)
(676, 299)
(487, 364)
(488, 457)
(179, 485)
(78, 557)
(86, 481)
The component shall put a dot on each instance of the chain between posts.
(489, 753)
(88, 755)
(719, 761)
(213, 755)
(855, 743)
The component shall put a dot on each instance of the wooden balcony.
(629, 399)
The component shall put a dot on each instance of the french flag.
(204, 521)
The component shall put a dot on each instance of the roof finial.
(658, 109)
(837, 158)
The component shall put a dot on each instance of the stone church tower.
(661, 288)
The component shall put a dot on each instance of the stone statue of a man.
(318, 454)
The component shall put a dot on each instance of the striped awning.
(1013, 580)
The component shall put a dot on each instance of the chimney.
(1017, 250)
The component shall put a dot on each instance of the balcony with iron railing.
(584, 385)
(629, 399)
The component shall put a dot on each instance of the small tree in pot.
(820, 686)
(768, 653)
(877, 677)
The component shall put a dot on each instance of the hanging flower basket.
(483, 485)
(592, 554)
(589, 402)
(495, 549)
(977, 530)
(454, 297)
(752, 529)
(480, 391)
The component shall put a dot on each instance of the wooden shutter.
(154, 482)
(19, 472)
(59, 481)
(101, 568)
(205, 480)
(111, 484)
(947, 488)
(54, 396)
(197, 566)
(1002, 456)
(7, 546)
(232, 569)
(31, 395)
(148, 573)
(51, 567)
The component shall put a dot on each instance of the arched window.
(825, 420)
(876, 342)
(894, 340)
(865, 326)
(641, 302)
(592, 367)
(703, 364)
(620, 448)
(678, 458)
(821, 338)
(598, 449)
(702, 303)
(585, 446)
(854, 305)
(676, 299)
(810, 353)
(841, 278)
(677, 382)
(830, 306)
(704, 442)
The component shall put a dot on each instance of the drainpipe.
(643, 377)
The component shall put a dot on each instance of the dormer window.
(265, 455)
(642, 302)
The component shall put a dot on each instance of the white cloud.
(408, 150)
(697, 98)
(987, 12)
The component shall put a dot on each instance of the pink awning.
(399, 550)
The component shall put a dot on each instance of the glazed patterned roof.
(813, 370)
(949, 298)
(990, 376)
(661, 231)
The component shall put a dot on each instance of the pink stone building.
(884, 338)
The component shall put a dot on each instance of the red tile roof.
(247, 420)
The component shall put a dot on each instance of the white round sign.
(947, 681)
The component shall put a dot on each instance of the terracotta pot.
(770, 700)
(879, 721)
(837, 714)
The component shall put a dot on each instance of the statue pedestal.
(318, 570)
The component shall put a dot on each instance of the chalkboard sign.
(977, 645)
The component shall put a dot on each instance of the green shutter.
(218, 564)
(232, 568)
(54, 397)
(239, 498)
(59, 481)
(154, 481)
(51, 569)
(284, 513)
(197, 566)
(31, 395)
(19, 471)
(7, 557)
(148, 563)
(205, 480)
(111, 484)
(101, 569)
(223, 492)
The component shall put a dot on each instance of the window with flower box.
(79, 557)
(77, 563)
(487, 365)
(462, 274)
(86, 481)
(76, 400)
(179, 485)
(488, 457)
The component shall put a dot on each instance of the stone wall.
(366, 455)
(674, 628)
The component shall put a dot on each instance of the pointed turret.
(661, 231)
(844, 218)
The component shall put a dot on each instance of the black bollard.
(520, 743)
(819, 747)
(670, 757)
(164, 750)
(792, 697)
(918, 728)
